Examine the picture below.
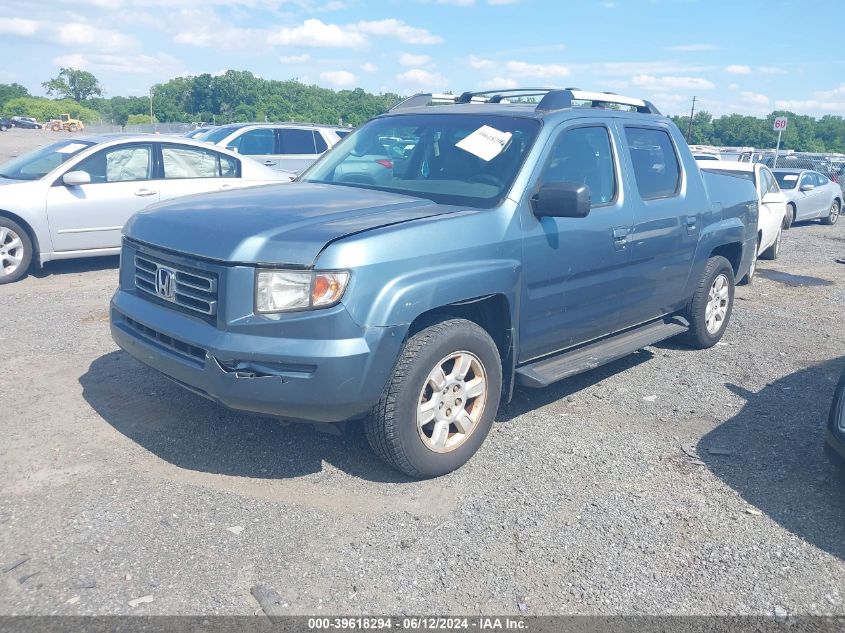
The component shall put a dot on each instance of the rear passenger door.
(667, 223)
(297, 149)
(573, 268)
(187, 170)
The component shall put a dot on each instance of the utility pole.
(691, 115)
(151, 105)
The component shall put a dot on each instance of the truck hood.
(275, 224)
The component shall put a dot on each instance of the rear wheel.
(790, 216)
(709, 310)
(833, 216)
(3, 127)
(440, 402)
(72, 127)
(15, 251)
(774, 250)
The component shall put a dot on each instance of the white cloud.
(19, 26)
(671, 83)
(480, 63)
(418, 79)
(295, 59)
(369, 67)
(501, 2)
(772, 70)
(407, 59)
(810, 105)
(733, 86)
(737, 69)
(754, 98)
(83, 34)
(129, 64)
(315, 33)
(339, 78)
(691, 48)
(391, 27)
(497, 83)
(523, 69)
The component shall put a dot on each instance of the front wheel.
(789, 218)
(441, 400)
(15, 251)
(833, 216)
(709, 310)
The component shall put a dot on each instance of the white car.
(772, 203)
(71, 198)
(286, 146)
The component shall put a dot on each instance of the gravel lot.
(587, 497)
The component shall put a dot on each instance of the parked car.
(706, 156)
(835, 434)
(772, 202)
(521, 245)
(71, 198)
(286, 146)
(5, 124)
(26, 122)
(809, 195)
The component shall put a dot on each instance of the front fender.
(409, 295)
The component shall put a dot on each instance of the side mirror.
(232, 148)
(74, 178)
(807, 187)
(772, 198)
(562, 200)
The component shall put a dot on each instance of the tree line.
(239, 96)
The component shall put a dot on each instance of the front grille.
(191, 289)
(185, 349)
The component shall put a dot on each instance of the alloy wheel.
(11, 251)
(717, 304)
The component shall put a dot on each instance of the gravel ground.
(599, 495)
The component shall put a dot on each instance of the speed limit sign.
(780, 123)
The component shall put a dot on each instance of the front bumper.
(264, 367)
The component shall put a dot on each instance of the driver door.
(91, 216)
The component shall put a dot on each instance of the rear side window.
(655, 162)
(119, 164)
(194, 162)
(297, 142)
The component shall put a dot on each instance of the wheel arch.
(732, 251)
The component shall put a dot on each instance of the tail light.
(384, 162)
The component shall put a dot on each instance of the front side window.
(583, 155)
(297, 142)
(194, 162)
(807, 179)
(260, 142)
(461, 159)
(37, 164)
(119, 164)
(655, 162)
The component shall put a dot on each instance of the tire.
(790, 216)
(700, 335)
(72, 127)
(837, 412)
(774, 250)
(56, 128)
(833, 215)
(3, 128)
(437, 447)
(15, 251)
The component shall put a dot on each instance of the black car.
(5, 124)
(25, 122)
(835, 435)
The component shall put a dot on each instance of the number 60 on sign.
(780, 123)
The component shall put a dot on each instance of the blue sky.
(747, 56)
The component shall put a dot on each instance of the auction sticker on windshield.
(70, 148)
(486, 142)
(790, 177)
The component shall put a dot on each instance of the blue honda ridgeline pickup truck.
(434, 259)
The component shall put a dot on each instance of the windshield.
(38, 163)
(460, 159)
(786, 180)
(216, 135)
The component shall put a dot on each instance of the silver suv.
(283, 146)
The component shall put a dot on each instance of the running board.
(544, 372)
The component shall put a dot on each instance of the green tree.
(72, 83)
(11, 91)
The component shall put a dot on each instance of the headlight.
(284, 290)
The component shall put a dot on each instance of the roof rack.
(552, 99)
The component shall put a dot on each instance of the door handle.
(269, 162)
(226, 186)
(620, 237)
(145, 192)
